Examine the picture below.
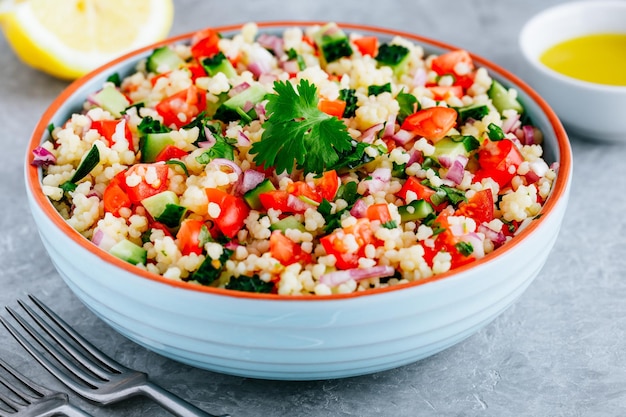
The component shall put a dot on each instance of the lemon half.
(69, 38)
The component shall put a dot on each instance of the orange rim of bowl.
(34, 184)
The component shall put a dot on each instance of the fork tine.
(8, 402)
(33, 386)
(80, 340)
(41, 358)
(63, 342)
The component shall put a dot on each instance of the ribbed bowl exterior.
(293, 338)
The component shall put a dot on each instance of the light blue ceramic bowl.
(299, 338)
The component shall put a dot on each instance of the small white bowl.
(594, 111)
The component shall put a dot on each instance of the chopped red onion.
(539, 167)
(223, 162)
(42, 157)
(102, 240)
(247, 106)
(273, 42)
(259, 108)
(250, 179)
(420, 78)
(242, 139)
(445, 161)
(529, 135)
(511, 124)
(335, 278)
(291, 66)
(297, 204)
(402, 137)
(359, 209)
(380, 178)
(477, 244)
(210, 139)
(390, 126)
(457, 169)
(416, 156)
(260, 61)
(238, 89)
(498, 238)
(231, 245)
(268, 78)
(369, 135)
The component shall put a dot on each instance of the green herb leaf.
(349, 96)
(115, 79)
(250, 284)
(391, 224)
(391, 55)
(374, 90)
(408, 105)
(297, 131)
(68, 186)
(150, 125)
(210, 269)
(221, 149)
(178, 163)
(464, 248)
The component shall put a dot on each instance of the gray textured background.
(559, 351)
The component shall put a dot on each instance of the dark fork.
(90, 373)
(34, 400)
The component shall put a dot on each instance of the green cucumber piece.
(162, 60)
(219, 63)
(129, 252)
(164, 207)
(111, 100)
(289, 222)
(473, 111)
(152, 144)
(233, 108)
(415, 210)
(453, 146)
(333, 42)
(252, 196)
(502, 100)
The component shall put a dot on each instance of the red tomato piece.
(327, 185)
(422, 192)
(146, 179)
(107, 128)
(446, 63)
(479, 207)
(332, 107)
(115, 198)
(334, 243)
(441, 92)
(197, 71)
(285, 250)
(233, 211)
(276, 199)
(379, 212)
(367, 45)
(180, 108)
(302, 189)
(498, 160)
(189, 236)
(205, 43)
(171, 152)
(432, 123)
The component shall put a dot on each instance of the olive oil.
(597, 58)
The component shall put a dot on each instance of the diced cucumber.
(289, 222)
(152, 144)
(453, 146)
(252, 196)
(164, 207)
(233, 108)
(333, 42)
(415, 210)
(129, 252)
(111, 100)
(394, 56)
(163, 59)
(473, 111)
(502, 100)
(219, 63)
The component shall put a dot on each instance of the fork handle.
(172, 402)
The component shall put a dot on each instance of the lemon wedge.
(69, 38)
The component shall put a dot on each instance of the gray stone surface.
(559, 351)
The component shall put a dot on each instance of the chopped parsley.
(374, 90)
(250, 284)
(494, 132)
(149, 125)
(221, 149)
(391, 224)
(349, 96)
(464, 248)
(391, 55)
(408, 105)
(210, 269)
(297, 131)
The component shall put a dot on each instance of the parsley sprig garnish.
(297, 131)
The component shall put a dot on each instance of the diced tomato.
(302, 189)
(379, 212)
(189, 236)
(498, 160)
(205, 43)
(446, 241)
(367, 45)
(233, 211)
(286, 251)
(180, 108)
(139, 175)
(196, 71)
(332, 107)
(465, 81)
(276, 199)
(115, 198)
(441, 92)
(422, 192)
(107, 129)
(327, 185)
(432, 123)
(446, 63)
(171, 152)
(334, 243)
(479, 207)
